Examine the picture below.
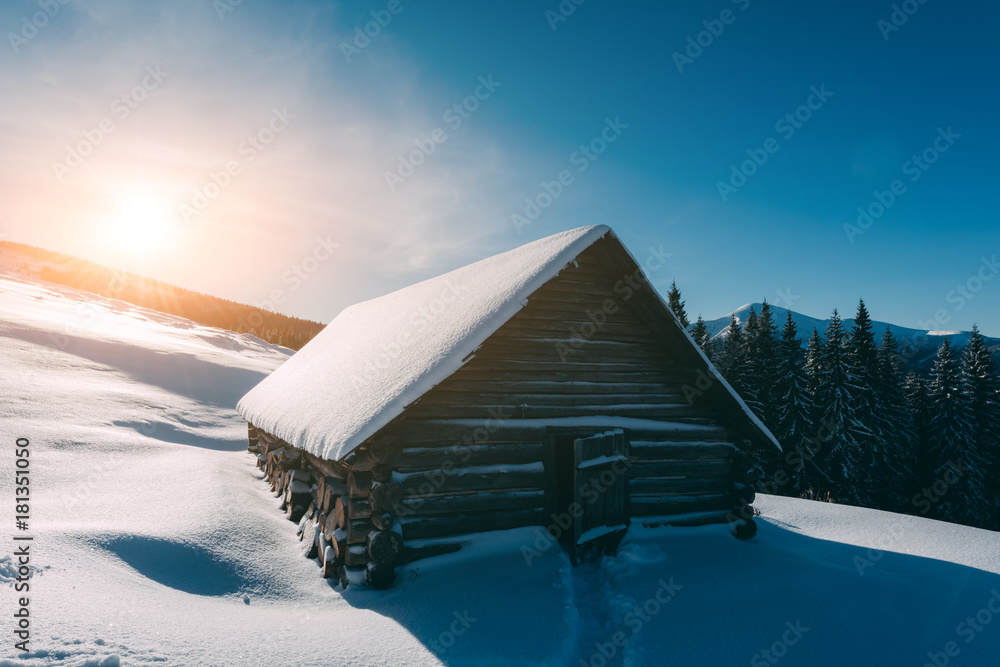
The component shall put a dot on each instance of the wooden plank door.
(601, 492)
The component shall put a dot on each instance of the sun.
(141, 223)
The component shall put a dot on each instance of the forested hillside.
(149, 293)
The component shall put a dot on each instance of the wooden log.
(411, 459)
(296, 511)
(359, 484)
(384, 497)
(382, 473)
(385, 546)
(529, 476)
(678, 486)
(340, 510)
(329, 563)
(380, 576)
(437, 431)
(339, 543)
(358, 508)
(352, 576)
(330, 526)
(356, 556)
(653, 469)
(743, 494)
(310, 540)
(357, 531)
(422, 527)
(473, 502)
(743, 529)
(383, 520)
(360, 460)
(321, 545)
(676, 451)
(677, 504)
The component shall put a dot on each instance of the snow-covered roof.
(377, 357)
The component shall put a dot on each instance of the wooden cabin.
(546, 386)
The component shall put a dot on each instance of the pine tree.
(919, 412)
(952, 444)
(874, 467)
(836, 400)
(751, 383)
(813, 360)
(794, 409)
(676, 305)
(733, 357)
(763, 357)
(894, 422)
(981, 386)
(699, 332)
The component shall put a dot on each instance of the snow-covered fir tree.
(700, 334)
(763, 360)
(982, 389)
(732, 357)
(836, 400)
(957, 462)
(676, 305)
(894, 423)
(794, 410)
(875, 465)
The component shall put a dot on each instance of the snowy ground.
(156, 542)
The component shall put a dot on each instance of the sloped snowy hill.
(156, 542)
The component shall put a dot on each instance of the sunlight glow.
(141, 222)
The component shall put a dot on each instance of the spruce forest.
(855, 427)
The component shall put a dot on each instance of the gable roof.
(377, 357)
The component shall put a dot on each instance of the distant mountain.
(919, 346)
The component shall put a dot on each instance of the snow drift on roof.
(377, 357)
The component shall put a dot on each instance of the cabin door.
(600, 483)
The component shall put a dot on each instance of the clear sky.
(271, 151)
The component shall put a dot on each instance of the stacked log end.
(741, 521)
(346, 520)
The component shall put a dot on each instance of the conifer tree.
(952, 444)
(918, 407)
(699, 332)
(813, 360)
(836, 399)
(676, 305)
(981, 386)
(794, 409)
(874, 464)
(894, 422)
(763, 357)
(751, 383)
(733, 357)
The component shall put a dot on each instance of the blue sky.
(309, 224)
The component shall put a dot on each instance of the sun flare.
(141, 222)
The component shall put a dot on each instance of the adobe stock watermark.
(364, 34)
(900, 14)
(447, 638)
(963, 293)
(30, 25)
(581, 158)
(248, 149)
(967, 630)
(636, 619)
(121, 108)
(562, 12)
(696, 45)
(299, 272)
(786, 126)
(223, 7)
(914, 168)
(454, 117)
(779, 649)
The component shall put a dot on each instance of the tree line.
(855, 427)
(146, 292)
